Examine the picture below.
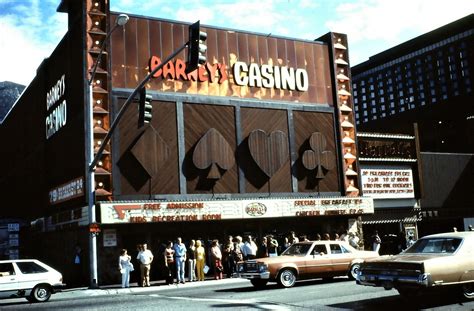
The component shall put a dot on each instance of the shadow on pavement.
(436, 299)
(272, 286)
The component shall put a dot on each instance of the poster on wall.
(110, 237)
(387, 182)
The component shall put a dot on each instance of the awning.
(391, 216)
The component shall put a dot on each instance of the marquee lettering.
(270, 76)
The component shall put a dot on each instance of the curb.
(157, 286)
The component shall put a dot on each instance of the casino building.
(260, 139)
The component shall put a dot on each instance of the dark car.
(435, 261)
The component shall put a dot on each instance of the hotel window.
(362, 90)
(366, 120)
(382, 99)
(374, 117)
(384, 114)
(402, 109)
(374, 110)
(364, 98)
(356, 101)
(400, 93)
(372, 95)
(364, 105)
(365, 113)
(392, 105)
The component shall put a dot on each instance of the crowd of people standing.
(197, 258)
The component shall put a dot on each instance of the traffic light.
(196, 47)
(144, 108)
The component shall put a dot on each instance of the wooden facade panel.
(154, 30)
(117, 46)
(269, 121)
(214, 178)
(143, 46)
(131, 52)
(134, 179)
(306, 123)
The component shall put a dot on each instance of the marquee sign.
(384, 182)
(142, 212)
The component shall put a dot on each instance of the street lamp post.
(121, 20)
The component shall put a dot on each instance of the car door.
(340, 258)
(318, 263)
(30, 274)
(8, 279)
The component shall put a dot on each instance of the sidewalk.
(134, 289)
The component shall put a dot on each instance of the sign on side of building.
(387, 182)
(232, 209)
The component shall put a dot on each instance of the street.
(237, 294)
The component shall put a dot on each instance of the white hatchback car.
(28, 278)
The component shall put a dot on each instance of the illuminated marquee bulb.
(100, 163)
(101, 184)
(98, 102)
(96, 4)
(99, 142)
(97, 42)
(97, 82)
(96, 23)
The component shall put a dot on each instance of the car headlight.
(262, 268)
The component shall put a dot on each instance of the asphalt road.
(236, 294)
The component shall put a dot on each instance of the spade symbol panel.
(214, 152)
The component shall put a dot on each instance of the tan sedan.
(305, 260)
(434, 261)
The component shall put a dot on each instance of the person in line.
(228, 258)
(470, 228)
(376, 241)
(180, 259)
(145, 257)
(272, 246)
(200, 260)
(327, 237)
(249, 249)
(318, 237)
(293, 238)
(353, 240)
(217, 259)
(125, 267)
(262, 250)
(191, 255)
(410, 241)
(169, 263)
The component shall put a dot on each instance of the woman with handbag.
(125, 267)
(217, 259)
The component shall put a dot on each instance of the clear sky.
(30, 29)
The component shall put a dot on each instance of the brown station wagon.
(305, 260)
(434, 261)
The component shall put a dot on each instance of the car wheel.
(41, 293)
(257, 283)
(287, 278)
(468, 290)
(353, 271)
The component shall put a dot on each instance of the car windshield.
(434, 245)
(297, 249)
